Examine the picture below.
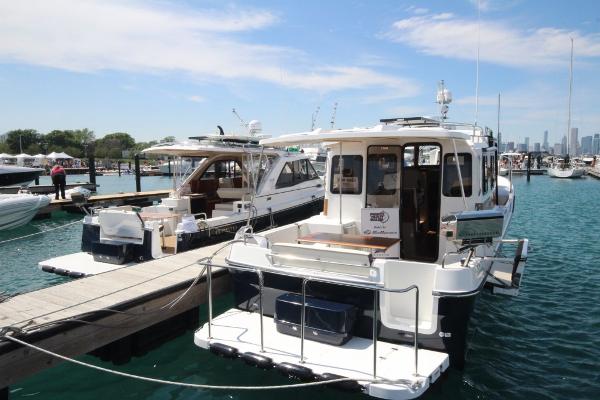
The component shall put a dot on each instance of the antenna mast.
(443, 98)
(242, 122)
(333, 114)
(314, 118)
(570, 92)
(477, 67)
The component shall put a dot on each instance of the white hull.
(18, 209)
(565, 173)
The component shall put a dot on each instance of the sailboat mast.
(570, 95)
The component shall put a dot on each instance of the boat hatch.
(506, 273)
(240, 330)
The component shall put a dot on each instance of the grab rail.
(374, 287)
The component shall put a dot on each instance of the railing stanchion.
(261, 284)
(303, 319)
(375, 309)
(417, 331)
(209, 282)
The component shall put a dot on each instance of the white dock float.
(241, 330)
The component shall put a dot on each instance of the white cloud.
(452, 37)
(196, 98)
(163, 37)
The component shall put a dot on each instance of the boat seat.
(121, 226)
(339, 261)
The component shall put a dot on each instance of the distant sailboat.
(564, 168)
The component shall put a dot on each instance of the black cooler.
(326, 321)
(113, 252)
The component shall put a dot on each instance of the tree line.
(79, 143)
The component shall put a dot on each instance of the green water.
(545, 344)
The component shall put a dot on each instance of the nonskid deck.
(241, 330)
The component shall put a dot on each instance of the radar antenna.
(242, 122)
(333, 114)
(314, 118)
(443, 98)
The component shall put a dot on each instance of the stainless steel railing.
(376, 288)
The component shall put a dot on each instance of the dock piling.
(528, 166)
(119, 167)
(138, 183)
(91, 163)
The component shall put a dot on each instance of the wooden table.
(356, 241)
(155, 215)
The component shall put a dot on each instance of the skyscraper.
(563, 146)
(586, 145)
(574, 142)
(545, 145)
(596, 144)
(557, 150)
(536, 146)
(526, 144)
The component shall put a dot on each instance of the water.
(544, 344)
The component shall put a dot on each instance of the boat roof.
(382, 131)
(209, 145)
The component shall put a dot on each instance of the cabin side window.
(484, 174)
(383, 176)
(351, 177)
(286, 177)
(451, 185)
(294, 173)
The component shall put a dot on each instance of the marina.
(286, 200)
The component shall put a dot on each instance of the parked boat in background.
(18, 209)
(11, 175)
(566, 168)
(236, 183)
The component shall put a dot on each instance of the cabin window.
(383, 176)
(484, 173)
(351, 174)
(294, 173)
(451, 186)
(286, 177)
(223, 169)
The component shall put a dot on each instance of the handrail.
(376, 288)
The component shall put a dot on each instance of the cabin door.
(420, 203)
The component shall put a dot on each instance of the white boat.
(379, 288)
(14, 175)
(563, 168)
(237, 183)
(18, 209)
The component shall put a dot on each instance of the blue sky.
(159, 68)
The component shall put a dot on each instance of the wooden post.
(138, 184)
(528, 166)
(91, 164)
(119, 167)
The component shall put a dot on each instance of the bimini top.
(381, 131)
(205, 146)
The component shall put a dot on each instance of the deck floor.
(241, 329)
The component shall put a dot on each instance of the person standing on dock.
(59, 180)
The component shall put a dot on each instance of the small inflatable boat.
(18, 209)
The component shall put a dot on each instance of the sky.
(160, 68)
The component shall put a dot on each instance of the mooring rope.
(39, 233)
(203, 386)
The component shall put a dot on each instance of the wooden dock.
(77, 317)
(105, 200)
(594, 173)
